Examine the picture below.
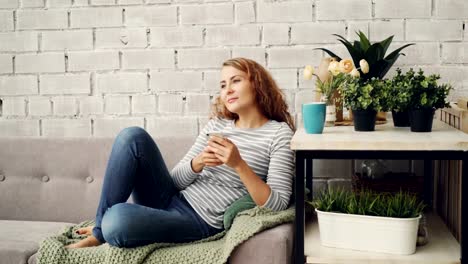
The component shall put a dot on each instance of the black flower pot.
(401, 119)
(364, 120)
(421, 119)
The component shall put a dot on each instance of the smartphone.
(216, 134)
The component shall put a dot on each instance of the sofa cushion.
(20, 239)
(273, 246)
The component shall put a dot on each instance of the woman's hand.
(226, 151)
(205, 158)
(87, 231)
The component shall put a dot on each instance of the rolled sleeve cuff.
(273, 202)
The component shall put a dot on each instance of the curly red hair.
(268, 95)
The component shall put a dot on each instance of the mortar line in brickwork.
(40, 127)
(314, 11)
(68, 18)
(120, 59)
(39, 42)
(130, 104)
(176, 62)
(92, 78)
(13, 61)
(92, 127)
(432, 8)
(94, 38)
(148, 80)
(14, 20)
(66, 61)
(178, 14)
(148, 37)
(373, 8)
(124, 18)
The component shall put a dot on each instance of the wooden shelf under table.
(442, 248)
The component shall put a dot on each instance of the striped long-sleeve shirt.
(265, 149)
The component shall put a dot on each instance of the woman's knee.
(130, 134)
(115, 225)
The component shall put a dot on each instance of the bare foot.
(90, 241)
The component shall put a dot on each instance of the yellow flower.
(355, 73)
(334, 68)
(364, 66)
(308, 72)
(346, 66)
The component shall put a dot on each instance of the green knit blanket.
(214, 249)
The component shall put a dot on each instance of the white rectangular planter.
(368, 233)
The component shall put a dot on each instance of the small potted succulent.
(383, 222)
(426, 96)
(365, 99)
(399, 89)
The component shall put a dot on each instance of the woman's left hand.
(226, 151)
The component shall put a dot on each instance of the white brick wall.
(148, 59)
(207, 14)
(151, 16)
(96, 17)
(40, 106)
(44, 62)
(6, 20)
(66, 128)
(22, 128)
(14, 106)
(122, 82)
(18, 41)
(65, 84)
(176, 37)
(291, 11)
(175, 81)
(403, 9)
(67, 40)
(42, 19)
(6, 64)
(110, 127)
(18, 85)
(98, 60)
(144, 104)
(118, 105)
(64, 106)
(92, 67)
(121, 38)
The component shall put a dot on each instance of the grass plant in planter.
(386, 223)
(426, 97)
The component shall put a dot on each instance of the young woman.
(253, 156)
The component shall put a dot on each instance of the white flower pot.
(368, 233)
(330, 116)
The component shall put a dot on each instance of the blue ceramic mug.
(313, 115)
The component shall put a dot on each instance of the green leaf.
(386, 43)
(329, 53)
(374, 54)
(396, 52)
(365, 43)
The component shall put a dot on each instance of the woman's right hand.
(87, 231)
(205, 158)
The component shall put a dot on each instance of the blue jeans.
(159, 212)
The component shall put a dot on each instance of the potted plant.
(365, 99)
(399, 91)
(386, 223)
(373, 54)
(330, 84)
(426, 96)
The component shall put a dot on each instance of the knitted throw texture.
(214, 249)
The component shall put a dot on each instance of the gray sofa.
(49, 183)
